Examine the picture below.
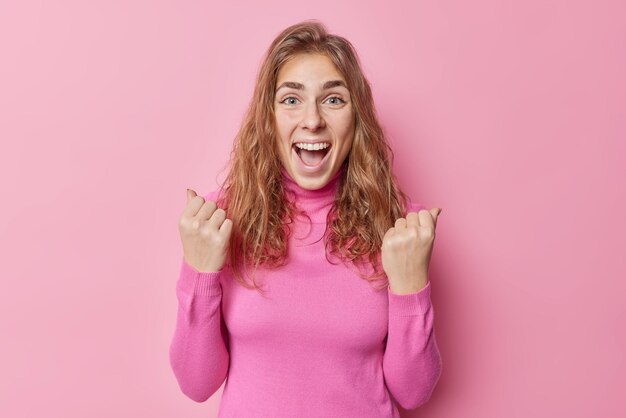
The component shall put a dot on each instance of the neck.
(316, 203)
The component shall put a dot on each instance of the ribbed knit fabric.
(324, 343)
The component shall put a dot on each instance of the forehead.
(309, 69)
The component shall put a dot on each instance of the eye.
(294, 98)
(337, 97)
(287, 98)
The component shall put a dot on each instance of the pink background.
(508, 115)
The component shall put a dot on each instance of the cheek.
(344, 124)
(344, 146)
(285, 120)
(347, 146)
(345, 128)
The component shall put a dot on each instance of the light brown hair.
(368, 199)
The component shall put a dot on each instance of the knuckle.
(391, 242)
(219, 213)
(184, 224)
(217, 240)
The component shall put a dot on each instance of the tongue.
(311, 157)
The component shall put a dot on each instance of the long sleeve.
(412, 362)
(198, 351)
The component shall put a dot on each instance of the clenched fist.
(205, 233)
(406, 250)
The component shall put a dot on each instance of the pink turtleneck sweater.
(324, 343)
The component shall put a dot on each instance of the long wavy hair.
(368, 199)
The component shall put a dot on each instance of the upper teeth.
(312, 147)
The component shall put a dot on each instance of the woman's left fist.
(407, 248)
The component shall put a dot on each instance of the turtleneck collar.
(316, 203)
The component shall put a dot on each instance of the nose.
(312, 118)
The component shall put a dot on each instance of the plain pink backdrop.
(508, 115)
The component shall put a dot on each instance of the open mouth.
(312, 158)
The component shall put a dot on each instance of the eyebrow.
(299, 86)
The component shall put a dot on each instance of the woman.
(314, 212)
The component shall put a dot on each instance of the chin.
(312, 183)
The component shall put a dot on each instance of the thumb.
(190, 194)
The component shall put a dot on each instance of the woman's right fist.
(205, 233)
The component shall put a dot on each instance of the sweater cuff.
(417, 303)
(195, 282)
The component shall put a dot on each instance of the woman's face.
(312, 106)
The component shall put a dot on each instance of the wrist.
(407, 286)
